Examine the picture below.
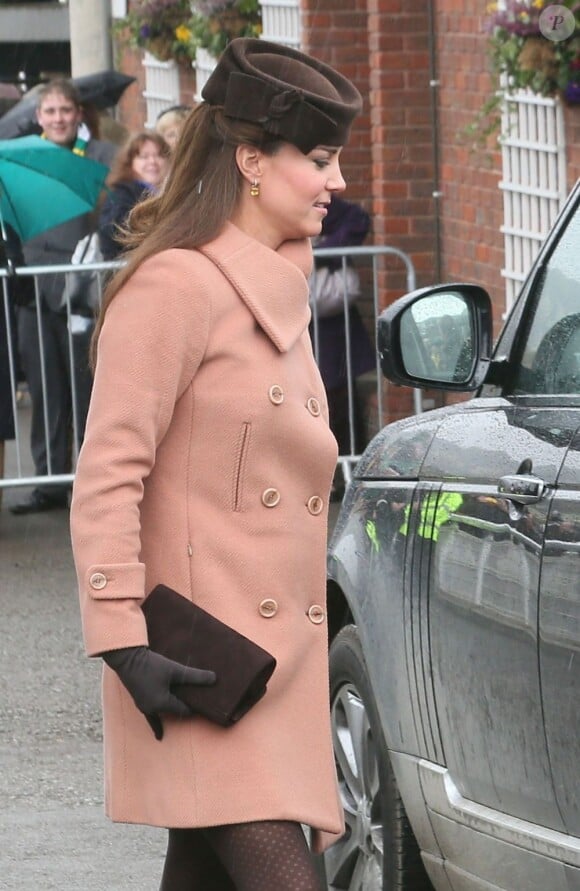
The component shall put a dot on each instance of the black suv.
(454, 600)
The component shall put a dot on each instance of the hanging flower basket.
(161, 27)
(176, 29)
(524, 56)
(215, 22)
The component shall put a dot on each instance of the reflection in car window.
(551, 356)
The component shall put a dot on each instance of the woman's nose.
(336, 181)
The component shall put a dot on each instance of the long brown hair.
(199, 195)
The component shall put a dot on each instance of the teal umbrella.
(43, 184)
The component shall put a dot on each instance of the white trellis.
(204, 65)
(533, 179)
(161, 86)
(281, 21)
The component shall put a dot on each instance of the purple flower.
(517, 18)
(572, 92)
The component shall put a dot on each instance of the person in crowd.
(169, 123)
(139, 170)
(13, 290)
(102, 125)
(345, 225)
(60, 115)
(207, 465)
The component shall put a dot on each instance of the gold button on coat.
(315, 505)
(268, 608)
(98, 581)
(316, 614)
(313, 406)
(270, 497)
(276, 394)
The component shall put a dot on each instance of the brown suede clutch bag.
(182, 631)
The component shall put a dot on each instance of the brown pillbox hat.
(291, 95)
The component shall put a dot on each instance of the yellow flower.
(183, 34)
(538, 4)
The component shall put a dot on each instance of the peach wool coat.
(206, 466)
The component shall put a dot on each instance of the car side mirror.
(437, 337)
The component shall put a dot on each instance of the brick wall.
(471, 203)
(403, 159)
(572, 125)
(131, 110)
(410, 141)
(337, 34)
(382, 45)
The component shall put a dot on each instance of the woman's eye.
(321, 163)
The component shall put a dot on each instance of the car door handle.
(522, 488)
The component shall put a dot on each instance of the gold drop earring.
(255, 188)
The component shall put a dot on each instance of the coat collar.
(272, 284)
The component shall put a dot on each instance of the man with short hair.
(59, 113)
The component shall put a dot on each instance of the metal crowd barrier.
(17, 451)
(361, 258)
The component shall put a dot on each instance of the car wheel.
(378, 851)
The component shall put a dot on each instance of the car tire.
(378, 851)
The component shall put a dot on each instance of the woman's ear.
(249, 161)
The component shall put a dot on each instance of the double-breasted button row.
(316, 614)
(313, 406)
(268, 608)
(98, 581)
(270, 497)
(315, 505)
(276, 397)
(276, 394)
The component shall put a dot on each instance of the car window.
(550, 361)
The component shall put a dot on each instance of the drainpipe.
(434, 86)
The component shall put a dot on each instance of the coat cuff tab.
(111, 581)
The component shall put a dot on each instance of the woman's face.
(149, 165)
(295, 191)
(170, 127)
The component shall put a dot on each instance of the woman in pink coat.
(206, 466)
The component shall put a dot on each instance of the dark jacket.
(120, 201)
(16, 290)
(57, 245)
(345, 225)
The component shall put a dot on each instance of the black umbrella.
(102, 89)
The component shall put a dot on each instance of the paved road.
(52, 830)
(53, 834)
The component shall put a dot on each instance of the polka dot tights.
(268, 856)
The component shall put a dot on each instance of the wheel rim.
(355, 863)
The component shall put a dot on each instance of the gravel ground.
(53, 832)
